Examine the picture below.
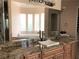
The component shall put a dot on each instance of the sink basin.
(48, 43)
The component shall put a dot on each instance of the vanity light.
(47, 2)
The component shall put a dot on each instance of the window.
(32, 22)
(42, 22)
(22, 24)
(37, 22)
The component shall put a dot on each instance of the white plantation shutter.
(32, 22)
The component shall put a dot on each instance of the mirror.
(53, 21)
(26, 17)
(4, 29)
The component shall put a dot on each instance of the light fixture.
(47, 2)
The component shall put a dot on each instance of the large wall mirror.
(4, 29)
(25, 20)
(53, 21)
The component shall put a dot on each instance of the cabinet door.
(67, 51)
(49, 57)
(74, 49)
(51, 53)
(59, 56)
(33, 56)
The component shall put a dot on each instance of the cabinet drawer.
(67, 47)
(59, 56)
(53, 52)
(49, 57)
(33, 56)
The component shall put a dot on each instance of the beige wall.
(14, 19)
(32, 10)
(69, 17)
(57, 4)
(22, 1)
(15, 9)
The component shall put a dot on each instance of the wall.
(15, 9)
(22, 1)
(36, 4)
(57, 4)
(32, 9)
(69, 17)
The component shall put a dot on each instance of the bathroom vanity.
(66, 50)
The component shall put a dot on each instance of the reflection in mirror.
(6, 20)
(22, 22)
(54, 22)
(29, 23)
(4, 29)
(25, 18)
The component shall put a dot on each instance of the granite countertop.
(67, 40)
(15, 51)
(9, 47)
(11, 51)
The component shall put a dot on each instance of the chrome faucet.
(42, 35)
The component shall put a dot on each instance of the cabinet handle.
(23, 57)
(54, 58)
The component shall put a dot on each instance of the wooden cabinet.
(74, 50)
(59, 56)
(56, 53)
(53, 53)
(70, 50)
(66, 51)
(33, 56)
